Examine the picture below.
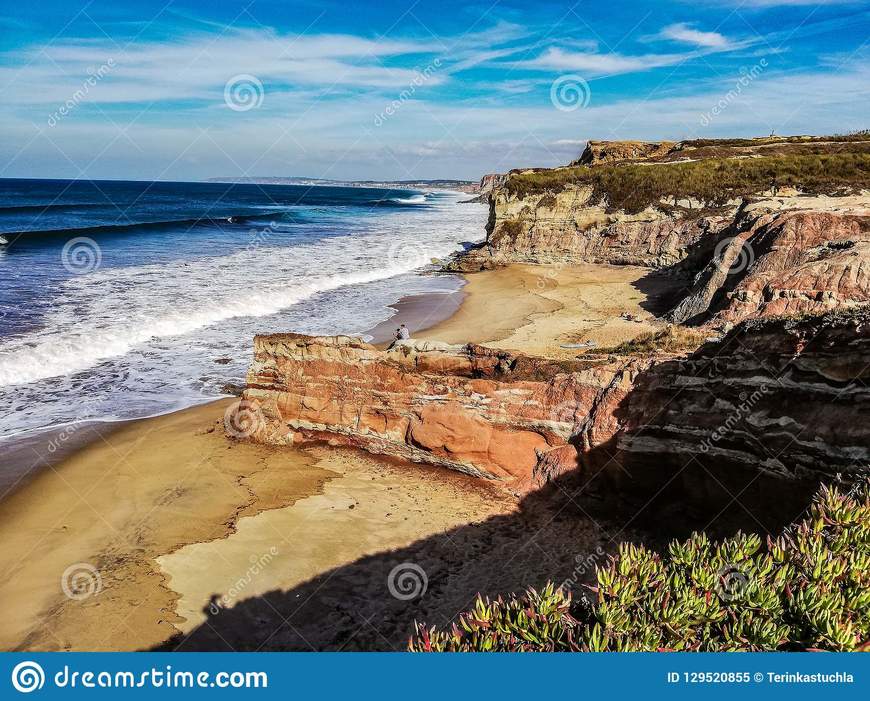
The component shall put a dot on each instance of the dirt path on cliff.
(536, 309)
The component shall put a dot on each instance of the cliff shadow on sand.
(559, 533)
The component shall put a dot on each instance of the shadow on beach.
(559, 533)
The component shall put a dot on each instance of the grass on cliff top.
(633, 187)
(837, 138)
(674, 339)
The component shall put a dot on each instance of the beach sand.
(163, 517)
(538, 309)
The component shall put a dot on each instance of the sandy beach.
(164, 532)
(538, 309)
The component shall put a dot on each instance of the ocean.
(122, 300)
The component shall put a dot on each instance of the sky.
(190, 90)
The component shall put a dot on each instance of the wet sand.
(144, 489)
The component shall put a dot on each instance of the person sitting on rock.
(402, 334)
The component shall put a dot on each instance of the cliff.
(755, 227)
(571, 226)
(759, 234)
(782, 398)
(791, 256)
(597, 152)
(487, 413)
(776, 404)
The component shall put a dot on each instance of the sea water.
(122, 300)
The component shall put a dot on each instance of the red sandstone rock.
(782, 398)
(481, 411)
(778, 263)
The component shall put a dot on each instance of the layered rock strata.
(487, 413)
(783, 402)
(789, 258)
(783, 399)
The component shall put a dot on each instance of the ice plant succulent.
(809, 589)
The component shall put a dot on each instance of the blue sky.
(186, 90)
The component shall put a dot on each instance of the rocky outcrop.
(797, 257)
(484, 412)
(570, 227)
(750, 240)
(601, 152)
(784, 398)
(491, 181)
(752, 257)
(777, 402)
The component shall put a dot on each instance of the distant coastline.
(469, 186)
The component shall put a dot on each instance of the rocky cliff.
(782, 398)
(487, 413)
(755, 227)
(597, 152)
(780, 402)
(491, 181)
(788, 256)
(571, 226)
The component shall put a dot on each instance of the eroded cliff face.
(488, 413)
(775, 251)
(756, 419)
(783, 399)
(570, 227)
(597, 152)
(789, 256)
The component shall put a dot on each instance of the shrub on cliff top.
(673, 339)
(633, 187)
(809, 589)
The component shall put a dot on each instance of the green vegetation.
(807, 590)
(838, 138)
(633, 187)
(673, 339)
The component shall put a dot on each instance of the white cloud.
(426, 139)
(687, 34)
(599, 64)
(198, 66)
